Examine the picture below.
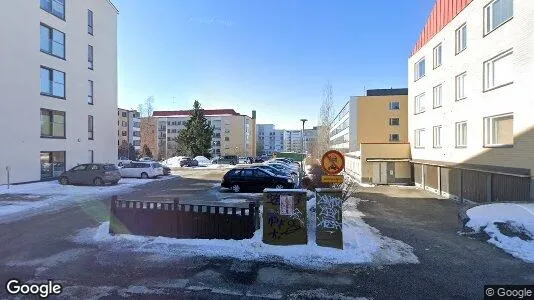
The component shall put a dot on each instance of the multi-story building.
(470, 105)
(66, 88)
(373, 132)
(269, 139)
(129, 132)
(310, 139)
(234, 134)
(293, 141)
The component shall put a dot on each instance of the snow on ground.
(173, 162)
(362, 244)
(519, 219)
(56, 196)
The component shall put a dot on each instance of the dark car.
(254, 179)
(258, 160)
(95, 174)
(273, 170)
(188, 162)
(227, 159)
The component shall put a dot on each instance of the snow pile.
(362, 244)
(57, 196)
(510, 227)
(173, 162)
(202, 161)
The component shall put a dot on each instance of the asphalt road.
(452, 266)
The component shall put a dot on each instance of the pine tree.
(195, 139)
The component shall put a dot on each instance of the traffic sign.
(332, 179)
(333, 162)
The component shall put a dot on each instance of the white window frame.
(391, 139)
(419, 135)
(419, 103)
(488, 130)
(437, 96)
(436, 136)
(461, 134)
(459, 86)
(488, 17)
(391, 107)
(438, 56)
(418, 73)
(489, 71)
(461, 38)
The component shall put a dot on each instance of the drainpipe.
(8, 169)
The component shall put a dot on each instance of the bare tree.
(326, 117)
(149, 106)
(141, 110)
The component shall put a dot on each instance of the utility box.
(285, 219)
(329, 218)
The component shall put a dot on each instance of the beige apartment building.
(234, 134)
(59, 101)
(129, 131)
(470, 104)
(372, 131)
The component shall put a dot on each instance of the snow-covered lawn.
(510, 227)
(362, 244)
(53, 196)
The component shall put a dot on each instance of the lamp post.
(302, 135)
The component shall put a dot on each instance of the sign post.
(333, 162)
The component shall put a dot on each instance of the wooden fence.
(172, 219)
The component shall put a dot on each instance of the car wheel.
(236, 188)
(63, 181)
(144, 175)
(279, 187)
(98, 181)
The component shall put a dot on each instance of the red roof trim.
(443, 12)
(207, 112)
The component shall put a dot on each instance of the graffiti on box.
(329, 213)
(280, 227)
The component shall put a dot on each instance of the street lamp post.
(302, 135)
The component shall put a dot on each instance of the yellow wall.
(236, 143)
(403, 170)
(373, 119)
(399, 151)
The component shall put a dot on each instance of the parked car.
(243, 160)
(95, 174)
(275, 171)
(283, 167)
(254, 179)
(141, 169)
(227, 159)
(146, 158)
(123, 160)
(163, 169)
(188, 162)
(258, 160)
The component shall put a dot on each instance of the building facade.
(129, 131)
(470, 104)
(234, 134)
(266, 139)
(373, 132)
(66, 89)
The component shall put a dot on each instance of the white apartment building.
(269, 139)
(234, 134)
(471, 106)
(59, 85)
(129, 132)
(344, 133)
(293, 140)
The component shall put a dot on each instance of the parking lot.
(68, 245)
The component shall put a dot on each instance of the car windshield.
(110, 167)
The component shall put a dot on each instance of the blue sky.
(270, 56)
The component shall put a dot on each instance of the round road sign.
(333, 162)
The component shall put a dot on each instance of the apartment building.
(470, 104)
(234, 134)
(59, 86)
(268, 140)
(129, 132)
(372, 131)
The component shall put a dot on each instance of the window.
(52, 123)
(420, 103)
(90, 92)
(52, 164)
(52, 82)
(499, 131)
(394, 137)
(55, 7)
(227, 139)
(137, 143)
(419, 138)
(420, 69)
(394, 121)
(91, 156)
(394, 105)
(437, 56)
(90, 127)
(461, 38)
(89, 22)
(124, 115)
(437, 96)
(90, 56)
(461, 134)
(460, 86)
(436, 136)
(496, 13)
(498, 71)
(260, 173)
(124, 133)
(52, 41)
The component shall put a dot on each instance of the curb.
(463, 218)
